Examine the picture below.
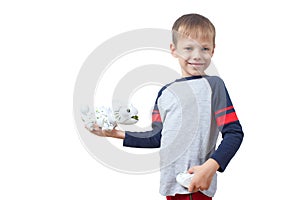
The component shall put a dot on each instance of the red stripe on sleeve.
(223, 110)
(226, 119)
(156, 116)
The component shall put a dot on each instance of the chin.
(196, 73)
(193, 72)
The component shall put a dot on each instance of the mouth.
(135, 117)
(196, 64)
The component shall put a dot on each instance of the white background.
(43, 45)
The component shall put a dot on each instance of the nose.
(201, 53)
(197, 54)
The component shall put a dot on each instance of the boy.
(188, 115)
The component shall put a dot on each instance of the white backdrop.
(43, 46)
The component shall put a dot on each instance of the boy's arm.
(146, 139)
(232, 138)
(224, 116)
(230, 127)
(232, 133)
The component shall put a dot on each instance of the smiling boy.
(188, 115)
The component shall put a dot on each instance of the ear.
(173, 50)
(213, 50)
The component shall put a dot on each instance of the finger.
(191, 170)
(96, 127)
(191, 187)
(88, 128)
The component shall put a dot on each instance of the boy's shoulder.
(215, 82)
(163, 88)
(214, 79)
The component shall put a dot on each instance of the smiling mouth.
(196, 64)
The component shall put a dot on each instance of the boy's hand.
(203, 175)
(103, 133)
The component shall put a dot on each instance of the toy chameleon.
(106, 118)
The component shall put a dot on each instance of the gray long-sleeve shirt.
(186, 120)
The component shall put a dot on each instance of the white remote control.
(184, 179)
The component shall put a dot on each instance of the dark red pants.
(193, 196)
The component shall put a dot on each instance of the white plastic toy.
(107, 119)
(184, 179)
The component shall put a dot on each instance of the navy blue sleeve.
(147, 139)
(228, 123)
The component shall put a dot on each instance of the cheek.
(182, 62)
(206, 56)
(183, 54)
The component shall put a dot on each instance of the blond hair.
(194, 26)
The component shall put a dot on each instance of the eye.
(188, 48)
(128, 110)
(205, 49)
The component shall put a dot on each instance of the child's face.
(194, 56)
